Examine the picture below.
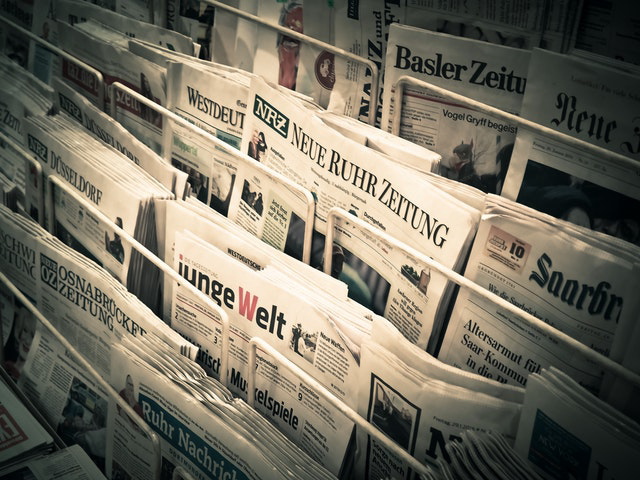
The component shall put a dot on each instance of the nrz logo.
(271, 116)
(49, 271)
(37, 147)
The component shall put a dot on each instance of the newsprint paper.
(257, 307)
(419, 413)
(83, 412)
(557, 275)
(585, 99)
(340, 172)
(472, 143)
(566, 433)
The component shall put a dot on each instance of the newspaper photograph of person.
(252, 197)
(303, 342)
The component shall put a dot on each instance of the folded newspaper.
(419, 413)
(584, 99)
(475, 146)
(23, 437)
(566, 432)
(565, 276)
(340, 172)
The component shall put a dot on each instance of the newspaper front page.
(554, 274)
(419, 413)
(584, 99)
(563, 438)
(257, 307)
(474, 146)
(340, 172)
(212, 99)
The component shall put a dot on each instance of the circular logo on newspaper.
(325, 71)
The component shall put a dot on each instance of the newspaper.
(84, 302)
(548, 272)
(83, 410)
(212, 99)
(262, 201)
(474, 146)
(23, 437)
(112, 133)
(387, 277)
(419, 413)
(484, 455)
(72, 462)
(584, 99)
(105, 179)
(541, 23)
(36, 17)
(583, 185)
(564, 437)
(71, 402)
(399, 149)
(340, 172)
(208, 439)
(106, 50)
(74, 11)
(257, 307)
(23, 95)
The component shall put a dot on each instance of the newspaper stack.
(107, 50)
(72, 462)
(23, 95)
(83, 410)
(23, 437)
(204, 430)
(484, 455)
(74, 11)
(426, 406)
(580, 282)
(35, 17)
(399, 149)
(596, 440)
(475, 146)
(112, 133)
(111, 183)
(83, 301)
(316, 340)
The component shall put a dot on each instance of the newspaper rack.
(242, 157)
(96, 74)
(615, 368)
(71, 351)
(54, 180)
(257, 343)
(406, 80)
(339, 52)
